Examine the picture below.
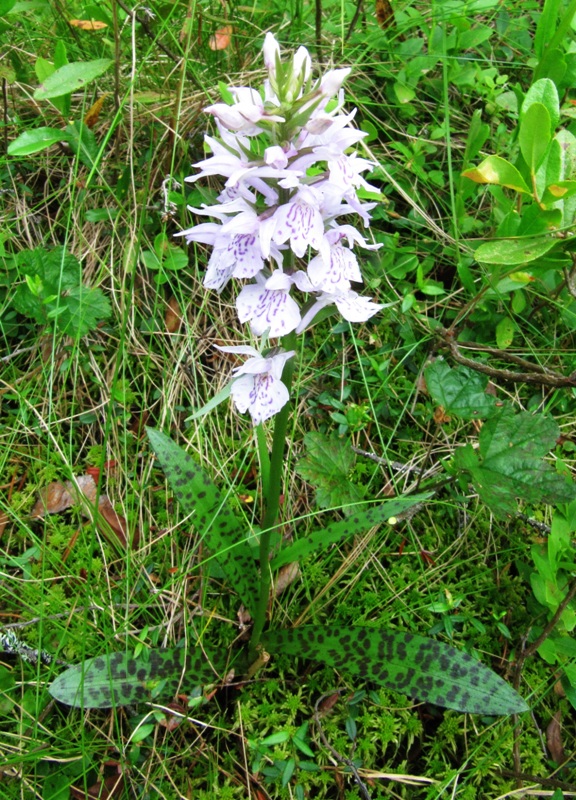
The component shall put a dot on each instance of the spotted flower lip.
(268, 307)
(257, 387)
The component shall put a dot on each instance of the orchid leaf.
(225, 534)
(404, 662)
(121, 678)
(358, 522)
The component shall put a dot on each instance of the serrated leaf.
(327, 466)
(499, 172)
(35, 140)
(408, 663)
(511, 252)
(72, 77)
(358, 522)
(222, 531)
(119, 678)
(82, 308)
(459, 390)
(508, 463)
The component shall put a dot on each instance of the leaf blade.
(120, 678)
(415, 665)
(224, 533)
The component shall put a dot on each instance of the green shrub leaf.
(535, 135)
(72, 77)
(358, 522)
(511, 252)
(414, 665)
(497, 171)
(508, 463)
(459, 390)
(35, 140)
(223, 533)
(120, 678)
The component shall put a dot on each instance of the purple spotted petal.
(267, 309)
(262, 395)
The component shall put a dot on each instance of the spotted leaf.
(404, 662)
(119, 678)
(225, 534)
(358, 522)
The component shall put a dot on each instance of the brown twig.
(536, 374)
(354, 20)
(342, 759)
(524, 655)
(318, 6)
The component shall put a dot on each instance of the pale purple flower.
(331, 83)
(350, 304)
(300, 221)
(271, 53)
(258, 387)
(268, 307)
(333, 270)
(245, 114)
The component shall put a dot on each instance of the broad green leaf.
(43, 68)
(119, 678)
(223, 533)
(509, 462)
(497, 171)
(545, 92)
(459, 390)
(358, 522)
(327, 466)
(505, 331)
(72, 77)
(511, 252)
(35, 140)
(546, 26)
(535, 135)
(404, 662)
(82, 142)
(478, 132)
(552, 65)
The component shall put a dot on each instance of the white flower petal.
(262, 395)
(267, 310)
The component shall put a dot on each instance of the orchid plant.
(291, 174)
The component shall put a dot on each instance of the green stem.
(272, 500)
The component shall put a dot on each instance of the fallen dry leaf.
(440, 416)
(554, 738)
(173, 316)
(385, 14)
(287, 575)
(107, 789)
(91, 116)
(221, 39)
(87, 24)
(57, 497)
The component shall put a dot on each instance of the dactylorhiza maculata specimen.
(285, 153)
